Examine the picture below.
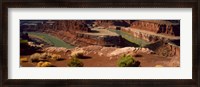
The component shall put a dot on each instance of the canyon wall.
(148, 30)
(72, 31)
(148, 36)
(81, 39)
(158, 26)
(107, 23)
(165, 27)
(163, 48)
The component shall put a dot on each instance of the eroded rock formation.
(108, 23)
(167, 49)
(72, 31)
(149, 30)
(149, 36)
(158, 26)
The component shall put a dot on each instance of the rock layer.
(165, 49)
(71, 31)
(158, 26)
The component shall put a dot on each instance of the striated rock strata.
(72, 31)
(158, 26)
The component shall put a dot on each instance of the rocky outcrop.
(73, 25)
(158, 26)
(55, 49)
(96, 54)
(167, 49)
(149, 30)
(127, 50)
(100, 40)
(107, 23)
(67, 25)
(114, 51)
(174, 62)
(69, 30)
(148, 36)
(81, 39)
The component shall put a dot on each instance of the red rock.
(158, 26)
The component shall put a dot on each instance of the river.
(52, 40)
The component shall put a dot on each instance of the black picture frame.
(194, 4)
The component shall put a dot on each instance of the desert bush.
(44, 64)
(75, 62)
(77, 54)
(56, 57)
(24, 59)
(35, 57)
(127, 61)
(23, 41)
(39, 64)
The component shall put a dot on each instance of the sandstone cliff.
(167, 49)
(158, 26)
(72, 31)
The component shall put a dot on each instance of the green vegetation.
(51, 39)
(25, 48)
(23, 41)
(36, 57)
(41, 38)
(24, 59)
(131, 38)
(127, 61)
(44, 64)
(77, 54)
(75, 62)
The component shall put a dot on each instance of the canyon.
(163, 37)
(148, 30)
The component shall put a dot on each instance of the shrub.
(44, 64)
(24, 59)
(56, 57)
(23, 41)
(127, 61)
(75, 62)
(39, 64)
(35, 57)
(77, 54)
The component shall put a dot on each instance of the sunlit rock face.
(73, 25)
(158, 26)
(148, 30)
(108, 23)
(73, 30)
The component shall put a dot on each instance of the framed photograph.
(101, 43)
